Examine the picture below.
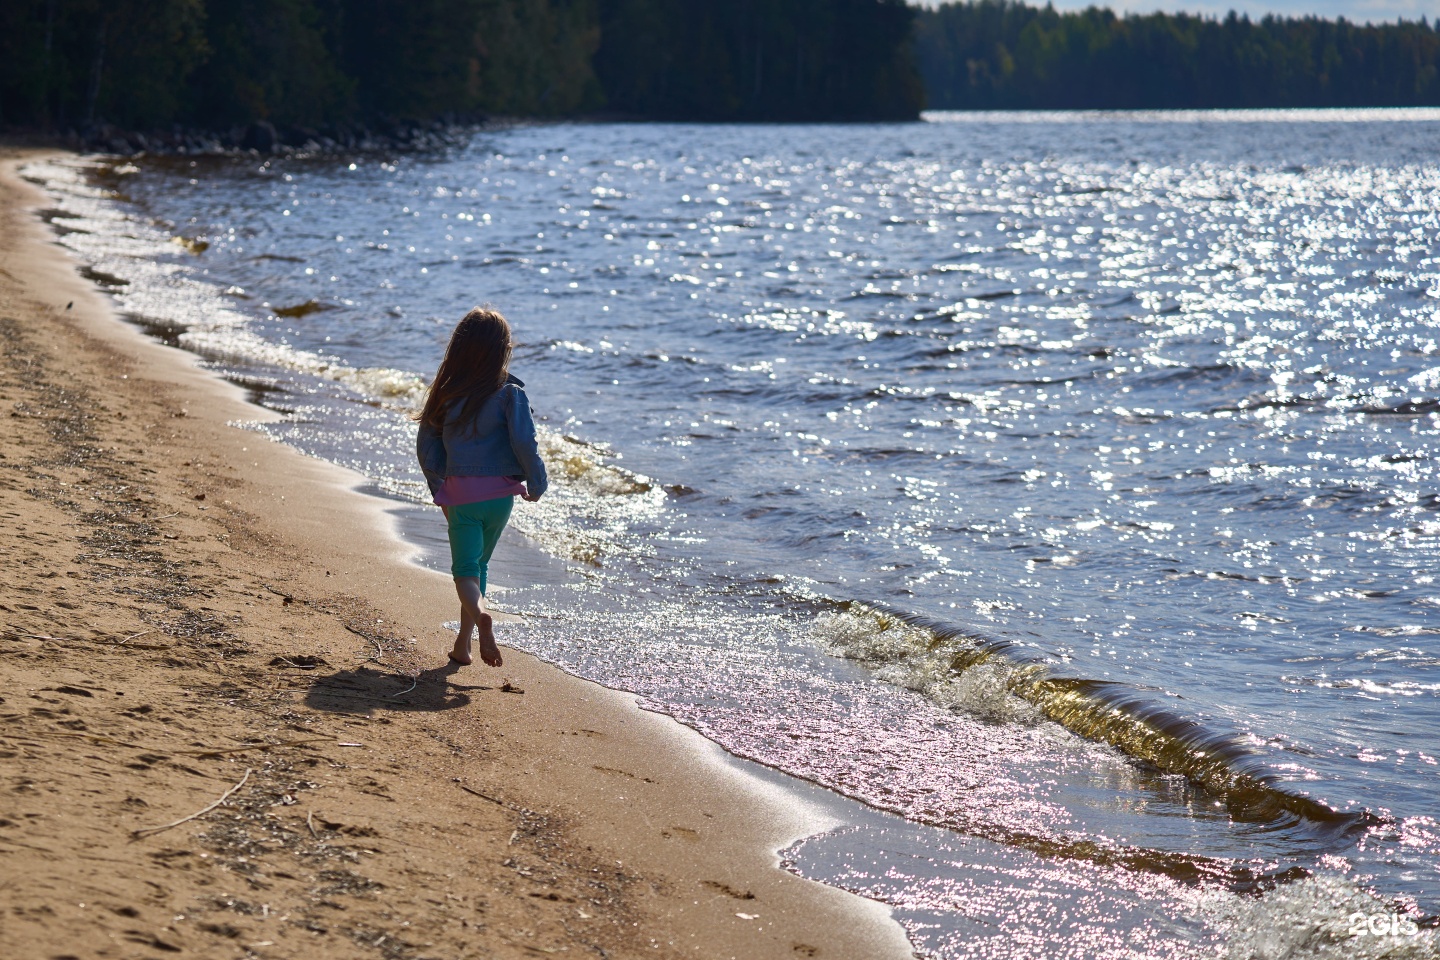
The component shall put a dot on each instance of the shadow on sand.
(365, 691)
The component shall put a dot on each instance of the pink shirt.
(457, 491)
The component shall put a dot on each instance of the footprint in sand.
(727, 890)
(623, 773)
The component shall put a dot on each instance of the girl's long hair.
(476, 365)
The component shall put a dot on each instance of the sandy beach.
(192, 612)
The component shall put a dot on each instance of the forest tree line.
(148, 63)
(1001, 54)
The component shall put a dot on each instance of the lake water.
(1062, 485)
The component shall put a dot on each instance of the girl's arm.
(522, 442)
(430, 450)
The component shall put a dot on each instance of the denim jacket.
(502, 443)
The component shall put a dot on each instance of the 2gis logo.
(1382, 925)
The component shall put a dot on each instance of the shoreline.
(175, 562)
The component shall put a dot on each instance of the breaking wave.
(961, 669)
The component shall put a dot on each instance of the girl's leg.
(467, 627)
(466, 545)
(474, 530)
(493, 515)
(460, 653)
(473, 616)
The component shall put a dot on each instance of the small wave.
(398, 389)
(875, 292)
(1404, 408)
(911, 657)
(382, 382)
(60, 220)
(999, 680)
(992, 294)
(583, 464)
(299, 310)
(102, 278)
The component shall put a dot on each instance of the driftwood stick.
(414, 681)
(379, 650)
(291, 663)
(483, 796)
(147, 831)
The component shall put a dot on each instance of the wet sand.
(192, 612)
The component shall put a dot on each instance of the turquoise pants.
(474, 531)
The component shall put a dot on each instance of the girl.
(476, 445)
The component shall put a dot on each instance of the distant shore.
(264, 139)
(199, 614)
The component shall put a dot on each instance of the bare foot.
(462, 659)
(489, 652)
(461, 652)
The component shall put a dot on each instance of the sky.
(1356, 11)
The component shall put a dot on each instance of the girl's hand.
(527, 497)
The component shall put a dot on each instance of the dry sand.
(189, 611)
